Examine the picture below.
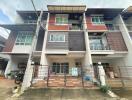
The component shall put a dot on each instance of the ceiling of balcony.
(66, 8)
(108, 13)
(18, 27)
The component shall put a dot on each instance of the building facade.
(64, 45)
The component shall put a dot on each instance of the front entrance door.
(60, 68)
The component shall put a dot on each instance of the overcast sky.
(8, 8)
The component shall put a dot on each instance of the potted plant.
(105, 88)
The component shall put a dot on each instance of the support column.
(29, 70)
(127, 39)
(43, 69)
(8, 67)
(88, 68)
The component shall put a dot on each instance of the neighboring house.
(3, 61)
(2, 43)
(70, 43)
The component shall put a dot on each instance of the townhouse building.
(66, 43)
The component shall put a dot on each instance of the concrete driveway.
(53, 94)
(6, 86)
(124, 93)
(63, 94)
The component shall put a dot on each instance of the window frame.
(50, 40)
(99, 20)
(58, 68)
(24, 42)
(61, 16)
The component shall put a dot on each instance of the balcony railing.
(111, 27)
(97, 46)
(69, 26)
(30, 21)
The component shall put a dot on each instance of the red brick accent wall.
(52, 25)
(10, 42)
(91, 26)
(116, 41)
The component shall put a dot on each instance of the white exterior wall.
(127, 39)
(21, 49)
(13, 64)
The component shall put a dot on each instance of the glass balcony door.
(96, 44)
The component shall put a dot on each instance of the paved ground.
(124, 93)
(63, 94)
(58, 94)
(6, 86)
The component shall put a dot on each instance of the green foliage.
(105, 88)
(9, 74)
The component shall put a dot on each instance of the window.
(97, 20)
(61, 19)
(60, 67)
(57, 38)
(24, 38)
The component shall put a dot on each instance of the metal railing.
(113, 27)
(30, 21)
(97, 46)
(64, 78)
(121, 76)
(67, 26)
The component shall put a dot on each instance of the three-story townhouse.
(70, 43)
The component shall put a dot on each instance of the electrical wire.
(41, 26)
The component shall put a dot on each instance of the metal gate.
(123, 79)
(61, 80)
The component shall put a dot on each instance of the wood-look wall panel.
(116, 41)
(10, 42)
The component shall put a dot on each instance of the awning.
(67, 8)
(19, 27)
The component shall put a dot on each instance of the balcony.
(99, 44)
(100, 49)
